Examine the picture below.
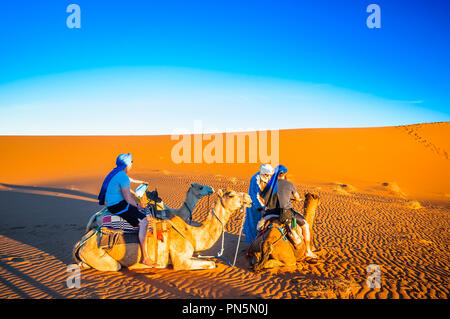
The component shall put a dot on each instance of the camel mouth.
(246, 200)
(202, 190)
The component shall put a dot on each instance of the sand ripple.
(353, 230)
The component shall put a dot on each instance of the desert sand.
(385, 200)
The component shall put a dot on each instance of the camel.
(180, 240)
(194, 194)
(272, 248)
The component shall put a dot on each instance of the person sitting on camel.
(117, 196)
(277, 196)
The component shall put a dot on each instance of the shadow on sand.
(49, 189)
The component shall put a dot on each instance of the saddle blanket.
(157, 240)
(116, 222)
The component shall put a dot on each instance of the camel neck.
(190, 201)
(207, 235)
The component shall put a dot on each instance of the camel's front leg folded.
(183, 260)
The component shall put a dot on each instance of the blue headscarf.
(122, 161)
(270, 191)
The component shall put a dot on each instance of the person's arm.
(297, 197)
(126, 193)
(137, 181)
(254, 193)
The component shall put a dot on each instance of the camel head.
(200, 191)
(310, 199)
(232, 200)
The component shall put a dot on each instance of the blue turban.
(270, 191)
(122, 161)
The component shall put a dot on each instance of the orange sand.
(385, 199)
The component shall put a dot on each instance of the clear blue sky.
(149, 67)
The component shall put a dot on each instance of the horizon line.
(215, 132)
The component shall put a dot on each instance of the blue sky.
(151, 67)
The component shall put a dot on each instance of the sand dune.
(385, 200)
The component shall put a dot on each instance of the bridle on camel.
(220, 252)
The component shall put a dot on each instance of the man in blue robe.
(254, 213)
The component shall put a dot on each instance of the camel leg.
(281, 249)
(272, 263)
(264, 255)
(96, 257)
(139, 266)
(182, 259)
(284, 254)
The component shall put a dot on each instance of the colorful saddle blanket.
(116, 222)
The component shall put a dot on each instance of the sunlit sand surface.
(385, 200)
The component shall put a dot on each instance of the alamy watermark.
(74, 278)
(374, 278)
(374, 19)
(73, 21)
(230, 147)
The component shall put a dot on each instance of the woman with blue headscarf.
(117, 196)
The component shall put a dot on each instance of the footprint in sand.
(413, 131)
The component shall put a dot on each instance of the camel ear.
(220, 192)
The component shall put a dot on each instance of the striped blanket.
(116, 222)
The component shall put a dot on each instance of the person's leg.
(143, 225)
(137, 219)
(307, 238)
(304, 226)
